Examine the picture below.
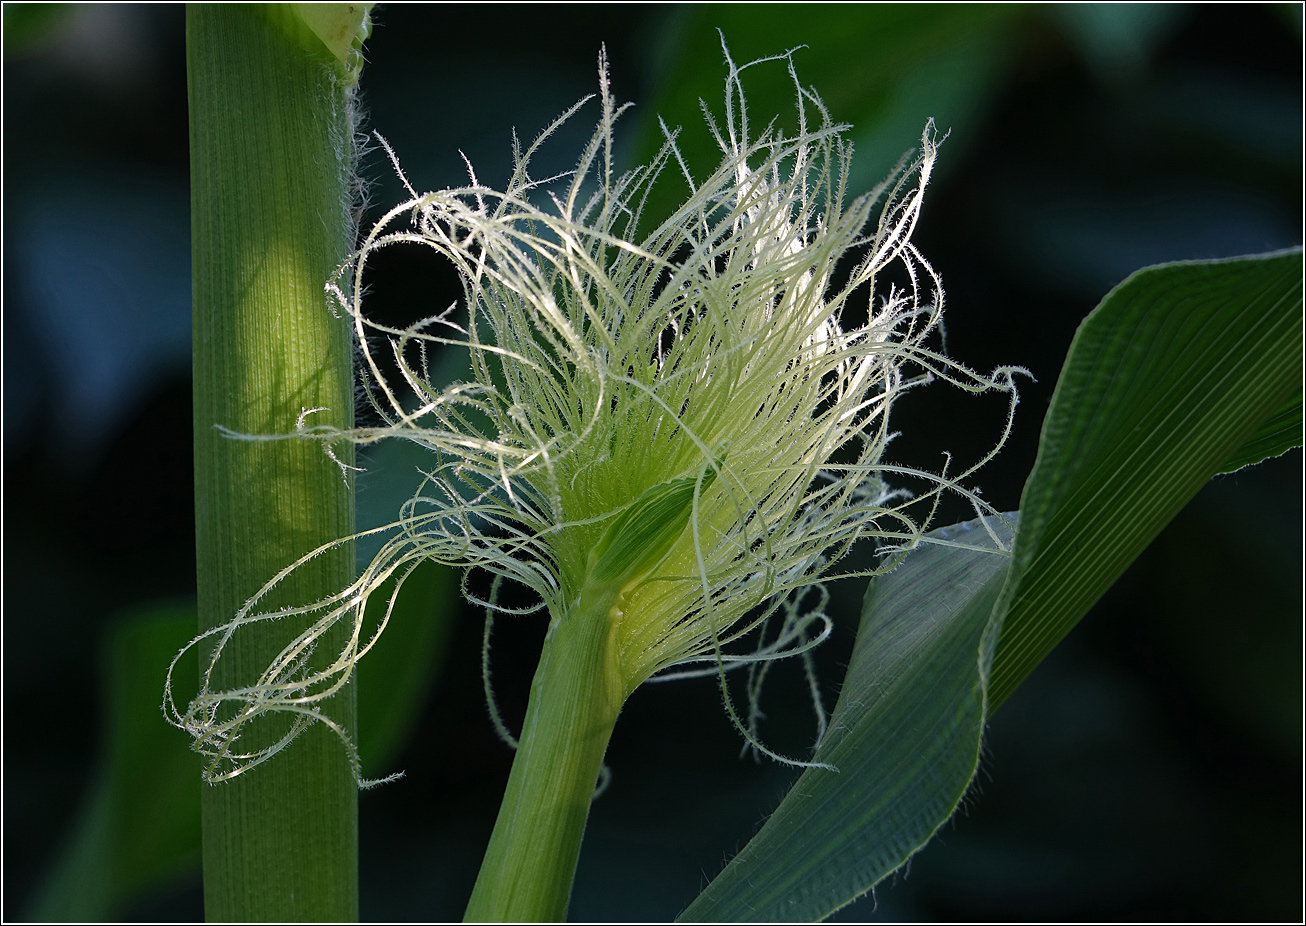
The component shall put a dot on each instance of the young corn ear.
(677, 414)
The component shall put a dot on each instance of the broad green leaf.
(1166, 382)
(1281, 432)
(139, 826)
(904, 737)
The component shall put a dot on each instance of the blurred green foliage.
(885, 69)
(139, 826)
(138, 831)
(396, 678)
(31, 26)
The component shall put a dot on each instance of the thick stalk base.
(269, 135)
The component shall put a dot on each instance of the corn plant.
(671, 436)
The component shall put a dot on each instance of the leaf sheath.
(269, 136)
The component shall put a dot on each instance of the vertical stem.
(575, 698)
(270, 136)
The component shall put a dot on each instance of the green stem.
(575, 698)
(270, 168)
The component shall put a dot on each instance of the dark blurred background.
(1150, 769)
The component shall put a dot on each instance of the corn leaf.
(904, 737)
(1169, 381)
(1281, 432)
